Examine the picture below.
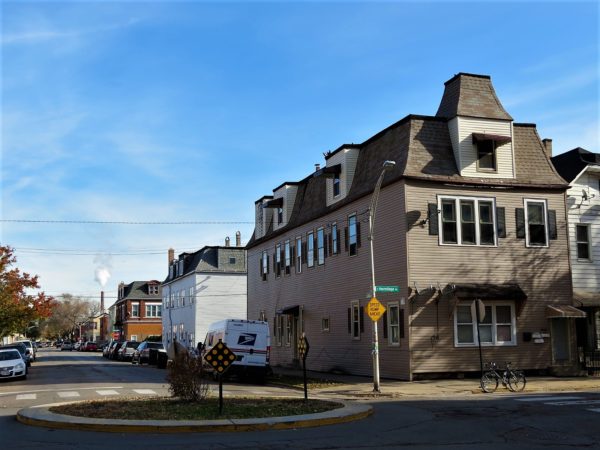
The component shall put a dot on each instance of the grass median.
(162, 408)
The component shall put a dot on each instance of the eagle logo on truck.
(247, 339)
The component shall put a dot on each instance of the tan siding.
(543, 273)
(348, 159)
(468, 155)
(327, 291)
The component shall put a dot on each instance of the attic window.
(486, 150)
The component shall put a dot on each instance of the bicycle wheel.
(517, 381)
(489, 382)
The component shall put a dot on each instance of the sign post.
(303, 348)
(220, 359)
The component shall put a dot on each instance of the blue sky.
(191, 111)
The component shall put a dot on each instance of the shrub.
(185, 377)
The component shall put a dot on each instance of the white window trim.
(138, 308)
(288, 330)
(589, 243)
(335, 245)
(494, 343)
(287, 255)
(389, 324)
(299, 254)
(321, 250)
(277, 267)
(350, 235)
(156, 306)
(310, 249)
(476, 200)
(544, 215)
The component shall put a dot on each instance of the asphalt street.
(503, 421)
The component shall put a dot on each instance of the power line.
(127, 222)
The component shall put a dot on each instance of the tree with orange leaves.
(18, 308)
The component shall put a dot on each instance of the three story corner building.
(201, 288)
(472, 210)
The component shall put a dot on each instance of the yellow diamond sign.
(375, 309)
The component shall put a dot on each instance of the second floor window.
(310, 249)
(298, 255)
(278, 260)
(535, 223)
(288, 257)
(486, 155)
(336, 185)
(334, 239)
(467, 221)
(135, 310)
(153, 311)
(352, 235)
(582, 235)
(279, 215)
(320, 246)
(264, 265)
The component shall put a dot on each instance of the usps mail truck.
(249, 340)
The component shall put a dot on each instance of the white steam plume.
(103, 266)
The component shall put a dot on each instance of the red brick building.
(138, 310)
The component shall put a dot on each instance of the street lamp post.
(387, 165)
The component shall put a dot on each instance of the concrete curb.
(42, 417)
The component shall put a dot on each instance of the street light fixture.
(387, 165)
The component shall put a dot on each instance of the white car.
(12, 364)
(31, 348)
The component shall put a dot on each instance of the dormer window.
(486, 145)
(336, 185)
(279, 215)
(153, 289)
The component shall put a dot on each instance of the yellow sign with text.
(375, 309)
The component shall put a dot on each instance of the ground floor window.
(394, 324)
(355, 319)
(497, 326)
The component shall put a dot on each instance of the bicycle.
(514, 380)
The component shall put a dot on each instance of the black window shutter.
(304, 256)
(346, 238)
(384, 325)
(325, 246)
(349, 320)
(362, 319)
(358, 233)
(552, 224)
(432, 216)
(520, 218)
(275, 261)
(282, 259)
(268, 265)
(501, 222)
(330, 241)
(339, 242)
(401, 323)
(293, 256)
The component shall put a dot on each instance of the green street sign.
(393, 289)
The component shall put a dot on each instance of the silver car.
(12, 364)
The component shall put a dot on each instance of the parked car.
(89, 346)
(114, 348)
(66, 345)
(22, 348)
(30, 347)
(126, 350)
(106, 348)
(142, 353)
(12, 364)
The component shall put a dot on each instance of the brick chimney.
(171, 256)
(227, 241)
(548, 147)
(238, 239)
(101, 302)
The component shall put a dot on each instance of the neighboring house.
(138, 310)
(473, 209)
(581, 168)
(203, 287)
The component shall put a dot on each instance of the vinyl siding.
(543, 273)
(348, 159)
(462, 143)
(328, 290)
(586, 274)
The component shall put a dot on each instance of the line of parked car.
(136, 352)
(16, 358)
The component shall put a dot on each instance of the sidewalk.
(358, 387)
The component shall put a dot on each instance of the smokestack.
(227, 241)
(548, 147)
(171, 256)
(101, 302)
(317, 167)
(238, 239)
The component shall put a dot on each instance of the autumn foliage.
(18, 307)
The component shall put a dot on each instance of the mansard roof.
(422, 149)
(138, 290)
(471, 95)
(210, 259)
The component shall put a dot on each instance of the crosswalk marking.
(26, 397)
(68, 394)
(107, 392)
(546, 399)
(144, 391)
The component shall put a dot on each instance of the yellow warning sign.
(375, 309)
